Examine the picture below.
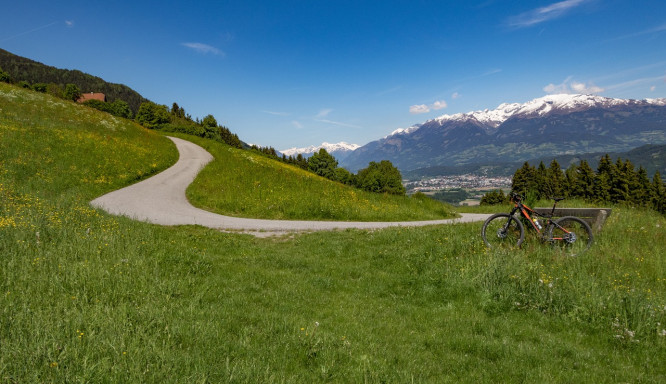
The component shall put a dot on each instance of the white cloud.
(586, 89)
(297, 124)
(69, 23)
(337, 123)
(423, 108)
(418, 109)
(323, 113)
(657, 29)
(639, 82)
(438, 105)
(652, 88)
(203, 48)
(569, 86)
(540, 15)
(276, 113)
(455, 95)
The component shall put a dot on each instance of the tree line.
(175, 119)
(28, 73)
(612, 182)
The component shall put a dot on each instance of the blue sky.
(296, 73)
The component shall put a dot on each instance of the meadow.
(89, 297)
(270, 189)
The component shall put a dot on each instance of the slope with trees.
(31, 72)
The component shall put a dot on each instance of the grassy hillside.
(88, 297)
(244, 183)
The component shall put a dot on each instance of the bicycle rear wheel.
(571, 236)
(501, 230)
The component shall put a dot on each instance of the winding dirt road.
(161, 200)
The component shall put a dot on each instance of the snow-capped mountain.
(563, 103)
(550, 125)
(338, 150)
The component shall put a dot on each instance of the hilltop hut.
(92, 96)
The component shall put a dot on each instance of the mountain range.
(553, 125)
(339, 150)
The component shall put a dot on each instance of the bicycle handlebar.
(516, 197)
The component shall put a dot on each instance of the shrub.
(494, 198)
(152, 115)
(4, 77)
(380, 177)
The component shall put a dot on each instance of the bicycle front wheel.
(502, 231)
(571, 236)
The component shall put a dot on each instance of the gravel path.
(161, 200)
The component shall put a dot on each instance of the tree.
(601, 188)
(152, 115)
(301, 161)
(380, 177)
(39, 87)
(619, 183)
(177, 111)
(4, 77)
(344, 176)
(71, 92)
(323, 164)
(584, 182)
(606, 166)
(570, 176)
(524, 180)
(121, 109)
(230, 138)
(209, 125)
(54, 90)
(494, 197)
(554, 180)
(642, 193)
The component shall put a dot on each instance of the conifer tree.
(630, 175)
(606, 166)
(619, 183)
(555, 180)
(524, 179)
(601, 188)
(584, 181)
(642, 194)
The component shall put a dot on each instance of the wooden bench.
(595, 217)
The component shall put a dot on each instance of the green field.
(89, 297)
(270, 189)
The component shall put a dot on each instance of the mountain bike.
(569, 235)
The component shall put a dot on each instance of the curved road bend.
(161, 200)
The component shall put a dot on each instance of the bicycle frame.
(525, 213)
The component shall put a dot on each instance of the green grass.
(270, 189)
(97, 298)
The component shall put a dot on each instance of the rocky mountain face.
(549, 126)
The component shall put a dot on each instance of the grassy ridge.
(270, 189)
(96, 298)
